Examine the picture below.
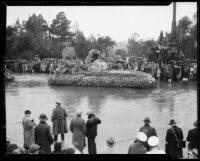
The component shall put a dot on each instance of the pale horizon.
(118, 22)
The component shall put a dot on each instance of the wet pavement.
(121, 110)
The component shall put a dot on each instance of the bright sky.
(118, 22)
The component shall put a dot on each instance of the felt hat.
(172, 122)
(153, 141)
(89, 113)
(111, 141)
(43, 117)
(27, 112)
(195, 123)
(147, 119)
(58, 103)
(142, 136)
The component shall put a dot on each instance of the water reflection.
(120, 109)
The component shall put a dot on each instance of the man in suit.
(193, 137)
(148, 130)
(91, 125)
(43, 135)
(171, 146)
(59, 122)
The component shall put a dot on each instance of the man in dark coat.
(138, 147)
(91, 125)
(59, 122)
(43, 135)
(193, 137)
(148, 130)
(171, 146)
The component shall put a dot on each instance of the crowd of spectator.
(39, 138)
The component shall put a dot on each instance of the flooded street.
(121, 110)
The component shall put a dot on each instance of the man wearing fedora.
(193, 137)
(148, 130)
(174, 133)
(91, 125)
(58, 118)
(138, 147)
(43, 136)
(28, 125)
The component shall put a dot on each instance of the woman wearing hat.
(174, 133)
(28, 124)
(43, 136)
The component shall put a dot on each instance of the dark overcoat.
(171, 145)
(91, 125)
(193, 138)
(59, 121)
(43, 136)
(149, 131)
(78, 128)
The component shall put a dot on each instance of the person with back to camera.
(148, 130)
(28, 126)
(91, 125)
(137, 147)
(58, 118)
(174, 134)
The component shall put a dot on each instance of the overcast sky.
(118, 22)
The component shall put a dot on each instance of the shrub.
(122, 79)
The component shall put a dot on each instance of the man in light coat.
(59, 122)
(28, 125)
(79, 130)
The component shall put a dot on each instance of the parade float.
(94, 72)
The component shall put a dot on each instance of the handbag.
(180, 143)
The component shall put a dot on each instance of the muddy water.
(121, 110)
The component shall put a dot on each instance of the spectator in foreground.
(57, 148)
(148, 130)
(91, 125)
(193, 137)
(78, 128)
(138, 147)
(59, 122)
(28, 125)
(43, 136)
(109, 149)
(174, 133)
(153, 141)
(34, 149)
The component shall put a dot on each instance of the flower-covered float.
(95, 73)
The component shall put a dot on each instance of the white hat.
(153, 141)
(142, 136)
(79, 112)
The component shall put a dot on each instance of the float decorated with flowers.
(97, 74)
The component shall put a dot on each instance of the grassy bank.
(121, 79)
